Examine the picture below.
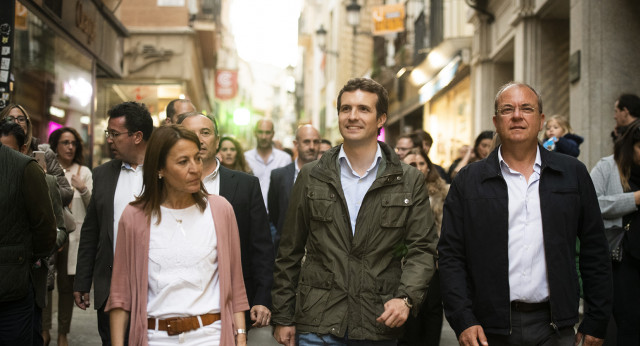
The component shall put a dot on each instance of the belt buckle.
(173, 327)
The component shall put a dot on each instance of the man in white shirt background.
(265, 158)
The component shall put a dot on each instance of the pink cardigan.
(129, 282)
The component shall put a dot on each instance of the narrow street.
(85, 333)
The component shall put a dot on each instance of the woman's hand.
(78, 184)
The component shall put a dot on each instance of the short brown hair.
(155, 159)
(369, 85)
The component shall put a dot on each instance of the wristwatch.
(241, 331)
(407, 302)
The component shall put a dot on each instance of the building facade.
(578, 53)
(61, 48)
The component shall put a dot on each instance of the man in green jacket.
(361, 220)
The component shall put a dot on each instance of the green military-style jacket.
(345, 279)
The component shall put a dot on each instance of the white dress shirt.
(354, 186)
(296, 171)
(262, 170)
(129, 187)
(212, 181)
(527, 262)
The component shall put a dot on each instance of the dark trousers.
(17, 321)
(103, 326)
(533, 329)
(38, 340)
(425, 329)
(65, 302)
(626, 300)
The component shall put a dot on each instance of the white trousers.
(205, 336)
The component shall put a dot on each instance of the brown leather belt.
(528, 307)
(179, 325)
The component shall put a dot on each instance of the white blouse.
(183, 264)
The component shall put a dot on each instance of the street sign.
(226, 84)
(388, 19)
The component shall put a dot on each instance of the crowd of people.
(185, 238)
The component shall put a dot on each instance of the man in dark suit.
(115, 184)
(243, 192)
(307, 144)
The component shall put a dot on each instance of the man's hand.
(395, 313)
(471, 335)
(261, 315)
(588, 340)
(285, 335)
(82, 300)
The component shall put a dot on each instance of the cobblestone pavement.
(84, 330)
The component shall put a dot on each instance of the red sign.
(226, 84)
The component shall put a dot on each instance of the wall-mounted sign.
(388, 19)
(226, 84)
(7, 17)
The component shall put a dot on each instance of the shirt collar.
(296, 170)
(536, 165)
(126, 166)
(342, 157)
(215, 172)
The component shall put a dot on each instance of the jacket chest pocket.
(321, 203)
(395, 207)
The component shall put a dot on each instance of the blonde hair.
(562, 121)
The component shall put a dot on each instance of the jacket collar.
(328, 167)
(549, 160)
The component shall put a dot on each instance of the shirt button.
(398, 177)
(406, 201)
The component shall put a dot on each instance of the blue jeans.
(311, 339)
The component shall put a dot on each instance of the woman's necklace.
(178, 221)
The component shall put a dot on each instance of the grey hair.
(184, 116)
(510, 84)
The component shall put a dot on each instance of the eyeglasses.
(115, 134)
(71, 143)
(508, 110)
(19, 119)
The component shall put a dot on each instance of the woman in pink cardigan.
(177, 275)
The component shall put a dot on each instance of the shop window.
(53, 80)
